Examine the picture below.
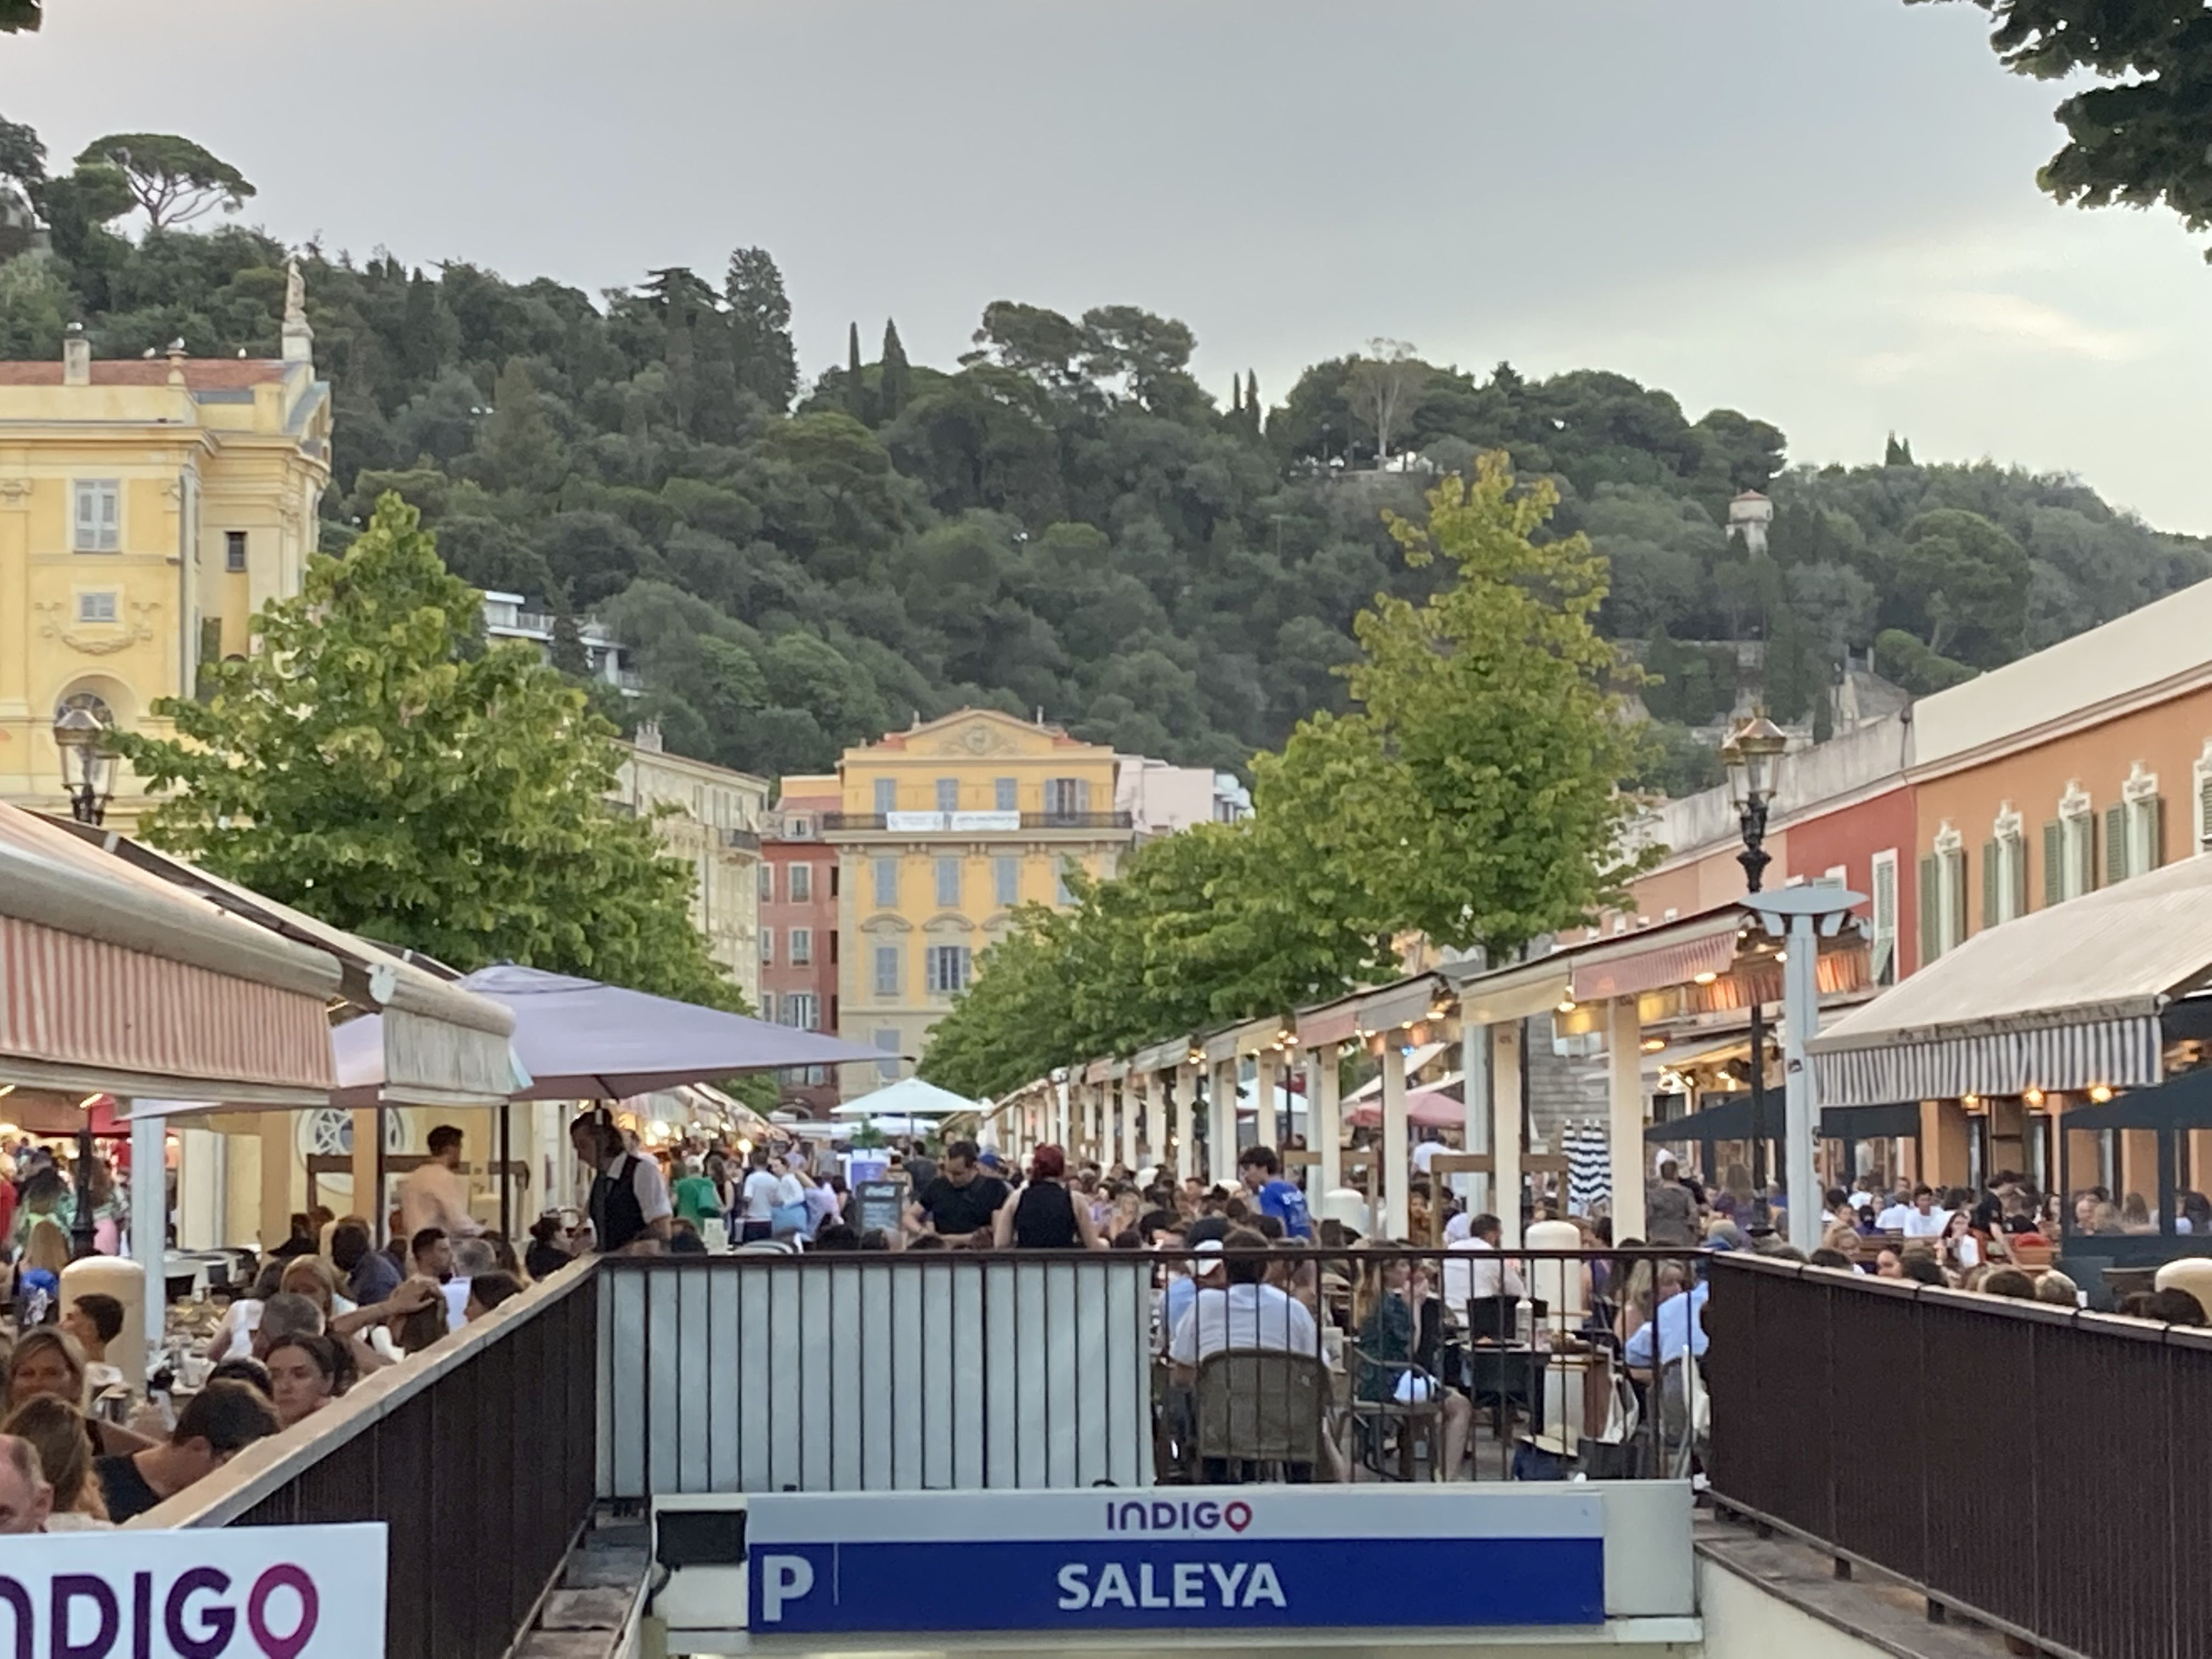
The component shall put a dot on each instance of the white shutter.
(1885, 918)
(109, 497)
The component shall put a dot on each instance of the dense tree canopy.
(375, 766)
(2138, 138)
(1066, 519)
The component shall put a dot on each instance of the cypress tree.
(895, 383)
(1252, 401)
(1236, 399)
(856, 390)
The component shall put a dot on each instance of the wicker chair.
(1416, 1425)
(1262, 1408)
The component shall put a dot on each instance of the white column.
(1125, 1093)
(1060, 1115)
(1801, 1020)
(1094, 1123)
(1324, 1120)
(149, 1222)
(1475, 1189)
(1186, 1159)
(1394, 1149)
(1624, 1092)
(1266, 1127)
(1505, 1125)
(1221, 1145)
(1156, 1117)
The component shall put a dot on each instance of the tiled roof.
(201, 373)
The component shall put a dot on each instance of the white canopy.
(2061, 998)
(909, 1097)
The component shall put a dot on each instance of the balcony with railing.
(971, 824)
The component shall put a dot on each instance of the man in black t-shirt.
(219, 1422)
(961, 1201)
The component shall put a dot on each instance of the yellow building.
(709, 817)
(148, 508)
(945, 829)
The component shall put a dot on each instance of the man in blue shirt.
(1676, 1323)
(1261, 1172)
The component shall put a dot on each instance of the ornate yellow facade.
(945, 829)
(148, 508)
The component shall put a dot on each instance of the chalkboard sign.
(881, 1203)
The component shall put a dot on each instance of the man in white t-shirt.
(1426, 1153)
(1924, 1220)
(1475, 1269)
(1891, 1219)
(1250, 1313)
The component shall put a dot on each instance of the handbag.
(787, 1218)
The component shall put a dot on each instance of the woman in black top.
(1044, 1215)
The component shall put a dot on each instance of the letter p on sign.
(783, 1578)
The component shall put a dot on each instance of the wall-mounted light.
(1705, 978)
(1566, 1004)
(2100, 1092)
(2033, 1097)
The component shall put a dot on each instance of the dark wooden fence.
(2046, 1471)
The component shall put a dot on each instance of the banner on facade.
(217, 1593)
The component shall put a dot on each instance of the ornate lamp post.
(88, 765)
(1753, 756)
(88, 776)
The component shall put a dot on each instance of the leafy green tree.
(1897, 452)
(1963, 581)
(173, 179)
(370, 765)
(1796, 672)
(1900, 657)
(2137, 138)
(20, 16)
(1481, 763)
(518, 449)
(22, 157)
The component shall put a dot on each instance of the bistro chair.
(1260, 1408)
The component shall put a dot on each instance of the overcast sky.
(1821, 212)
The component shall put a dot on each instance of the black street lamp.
(87, 764)
(88, 776)
(1753, 756)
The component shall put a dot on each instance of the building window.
(1066, 798)
(887, 970)
(2135, 830)
(1835, 875)
(886, 796)
(767, 883)
(1943, 896)
(944, 970)
(886, 883)
(768, 945)
(802, 947)
(98, 607)
(800, 1011)
(948, 794)
(768, 1006)
(2070, 848)
(799, 828)
(1883, 945)
(948, 884)
(2004, 871)
(887, 1040)
(234, 550)
(2203, 779)
(1005, 795)
(1061, 892)
(801, 878)
(1005, 882)
(97, 515)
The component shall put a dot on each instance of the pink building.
(799, 930)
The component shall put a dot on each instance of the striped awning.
(1633, 966)
(2063, 999)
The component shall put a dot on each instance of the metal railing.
(965, 1369)
(947, 822)
(478, 1454)
(2041, 1469)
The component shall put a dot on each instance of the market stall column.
(1186, 1131)
(1396, 1211)
(1156, 1119)
(1474, 1050)
(1324, 1120)
(1221, 1136)
(1505, 1127)
(1626, 1113)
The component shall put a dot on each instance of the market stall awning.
(2182, 1103)
(442, 1046)
(1627, 967)
(2061, 998)
(1724, 1120)
(1894, 1122)
(910, 1096)
(114, 981)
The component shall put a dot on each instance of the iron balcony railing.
(973, 822)
(2039, 1468)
